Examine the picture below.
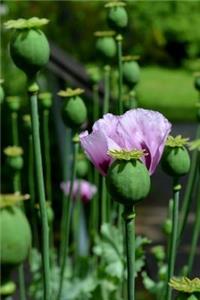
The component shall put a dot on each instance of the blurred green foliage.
(165, 32)
(169, 91)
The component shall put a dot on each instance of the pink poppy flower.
(81, 188)
(136, 129)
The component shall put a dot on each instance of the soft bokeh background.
(166, 35)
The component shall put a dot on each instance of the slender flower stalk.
(66, 225)
(189, 190)
(15, 135)
(173, 238)
(95, 102)
(32, 191)
(33, 90)
(119, 39)
(47, 154)
(106, 103)
(103, 202)
(196, 231)
(129, 217)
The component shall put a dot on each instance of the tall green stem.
(67, 218)
(32, 191)
(173, 238)
(41, 191)
(196, 231)
(189, 190)
(103, 202)
(129, 217)
(47, 154)
(106, 89)
(95, 102)
(15, 135)
(22, 289)
(95, 205)
(120, 80)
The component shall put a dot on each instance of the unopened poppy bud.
(82, 168)
(197, 81)
(128, 179)
(15, 238)
(94, 73)
(29, 46)
(167, 227)
(14, 103)
(105, 44)
(158, 252)
(117, 15)
(1, 92)
(27, 122)
(131, 70)
(7, 288)
(45, 100)
(74, 112)
(176, 159)
(14, 157)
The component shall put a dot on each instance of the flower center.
(127, 154)
(177, 141)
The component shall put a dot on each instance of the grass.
(169, 91)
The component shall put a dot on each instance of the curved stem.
(41, 192)
(15, 135)
(173, 238)
(129, 217)
(67, 220)
(189, 190)
(120, 82)
(47, 154)
(196, 231)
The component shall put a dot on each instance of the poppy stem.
(119, 39)
(129, 218)
(173, 238)
(33, 90)
(47, 154)
(106, 103)
(22, 289)
(95, 102)
(196, 231)
(15, 135)
(103, 202)
(32, 191)
(189, 190)
(67, 209)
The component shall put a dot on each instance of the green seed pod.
(14, 157)
(7, 288)
(14, 103)
(45, 100)
(117, 16)
(176, 161)
(15, 239)
(197, 82)
(167, 227)
(29, 50)
(27, 122)
(1, 93)
(74, 111)
(105, 44)
(50, 214)
(131, 72)
(82, 168)
(128, 181)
